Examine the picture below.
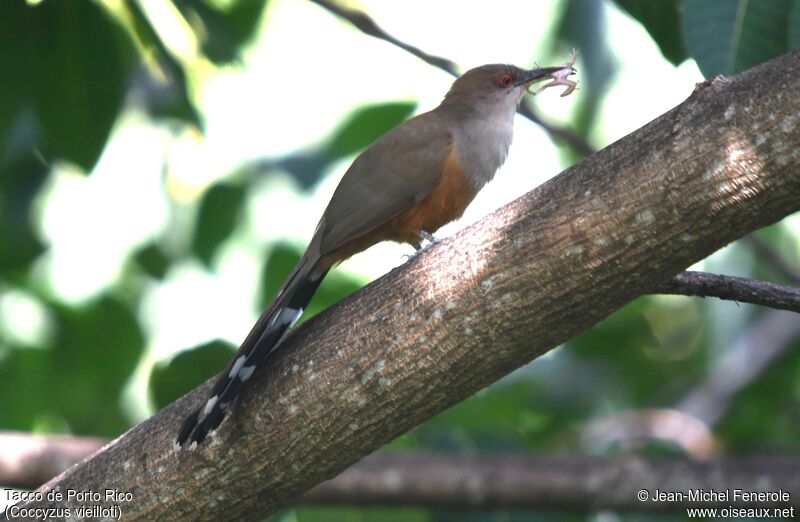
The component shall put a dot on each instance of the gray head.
(495, 87)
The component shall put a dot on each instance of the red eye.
(505, 80)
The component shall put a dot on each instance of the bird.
(411, 181)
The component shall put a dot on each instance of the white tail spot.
(237, 365)
(210, 404)
(246, 372)
(289, 316)
(296, 318)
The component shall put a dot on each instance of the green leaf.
(16, 61)
(765, 413)
(94, 355)
(794, 26)
(361, 128)
(19, 184)
(224, 29)
(23, 387)
(349, 514)
(218, 216)
(80, 377)
(188, 370)
(153, 260)
(172, 101)
(662, 19)
(641, 352)
(365, 126)
(280, 262)
(283, 258)
(80, 70)
(726, 36)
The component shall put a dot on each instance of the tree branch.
(732, 288)
(468, 482)
(475, 306)
(28, 461)
(367, 25)
(563, 483)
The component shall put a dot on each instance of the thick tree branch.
(732, 288)
(367, 25)
(465, 482)
(476, 306)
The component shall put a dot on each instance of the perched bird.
(412, 180)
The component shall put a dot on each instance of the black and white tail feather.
(282, 313)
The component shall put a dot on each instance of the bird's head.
(496, 87)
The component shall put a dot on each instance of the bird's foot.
(419, 247)
(425, 236)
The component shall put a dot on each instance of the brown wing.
(395, 172)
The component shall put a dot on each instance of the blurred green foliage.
(726, 37)
(78, 379)
(188, 370)
(662, 20)
(68, 64)
(65, 71)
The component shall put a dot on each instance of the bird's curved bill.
(542, 73)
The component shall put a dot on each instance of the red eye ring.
(505, 80)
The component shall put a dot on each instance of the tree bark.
(485, 481)
(476, 306)
(732, 288)
(562, 483)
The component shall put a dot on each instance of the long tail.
(285, 309)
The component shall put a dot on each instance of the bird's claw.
(423, 236)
